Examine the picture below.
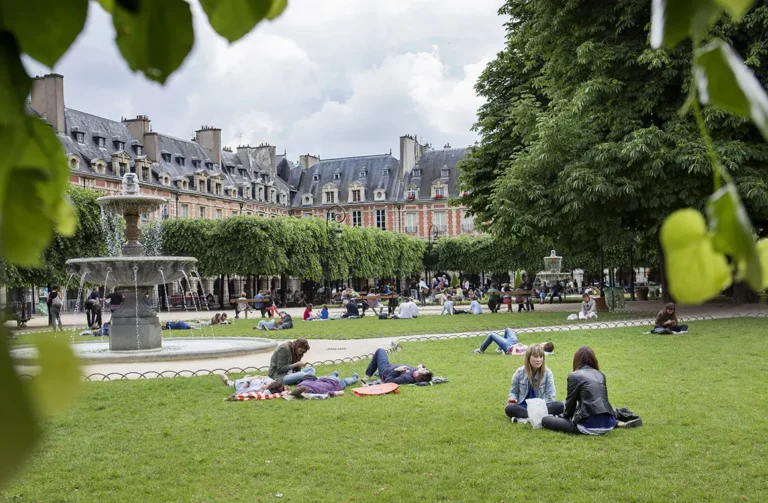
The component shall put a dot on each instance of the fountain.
(135, 333)
(552, 267)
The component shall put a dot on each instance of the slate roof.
(92, 127)
(348, 171)
(188, 150)
(431, 163)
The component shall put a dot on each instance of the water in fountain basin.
(202, 327)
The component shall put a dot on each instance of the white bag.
(537, 409)
(573, 317)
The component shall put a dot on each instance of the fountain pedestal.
(134, 326)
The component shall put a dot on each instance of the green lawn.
(701, 397)
(372, 327)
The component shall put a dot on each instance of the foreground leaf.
(157, 38)
(695, 271)
(18, 425)
(278, 6)
(44, 28)
(15, 84)
(732, 230)
(726, 82)
(233, 19)
(33, 180)
(762, 251)
(736, 8)
(673, 20)
(58, 382)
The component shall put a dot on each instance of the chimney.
(48, 99)
(141, 131)
(308, 160)
(267, 154)
(410, 153)
(209, 138)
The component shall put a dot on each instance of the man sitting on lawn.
(666, 321)
(398, 374)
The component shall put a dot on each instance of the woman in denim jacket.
(532, 380)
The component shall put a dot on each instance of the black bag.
(383, 316)
(625, 415)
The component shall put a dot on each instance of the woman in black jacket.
(587, 410)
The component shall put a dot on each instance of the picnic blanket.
(254, 396)
(377, 389)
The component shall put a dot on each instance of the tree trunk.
(743, 294)
(632, 275)
(665, 295)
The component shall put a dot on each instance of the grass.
(372, 327)
(701, 397)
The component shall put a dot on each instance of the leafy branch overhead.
(154, 37)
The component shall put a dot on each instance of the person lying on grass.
(394, 373)
(273, 324)
(323, 387)
(286, 361)
(666, 321)
(532, 380)
(587, 410)
(253, 384)
(509, 345)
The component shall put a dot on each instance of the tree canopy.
(581, 140)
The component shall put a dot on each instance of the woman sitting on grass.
(532, 380)
(323, 387)
(587, 410)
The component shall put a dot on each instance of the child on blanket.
(323, 387)
(254, 384)
(509, 345)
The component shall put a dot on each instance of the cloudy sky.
(334, 78)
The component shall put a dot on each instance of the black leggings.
(515, 410)
(559, 424)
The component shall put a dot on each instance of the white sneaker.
(478, 351)
(521, 420)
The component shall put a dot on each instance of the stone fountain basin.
(120, 269)
(174, 348)
(130, 203)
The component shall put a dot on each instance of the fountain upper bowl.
(120, 270)
(130, 203)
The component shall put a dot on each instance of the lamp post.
(432, 234)
(336, 214)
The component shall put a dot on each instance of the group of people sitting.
(263, 302)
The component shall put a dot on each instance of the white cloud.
(337, 77)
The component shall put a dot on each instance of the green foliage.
(302, 247)
(232, 19)
(58, 382)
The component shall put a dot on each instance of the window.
(145, 174)
(438, 220)
(411, 223)
(272, 194)
(179, 160)
(234, 213)
(164, 212)
(139, 150)
(357, 218)
(73, 163)
(195, 163)
(209, 165)
(306, 199)
(184, 184)
(438, 191)
(101, 142)
(315, 177)
(467, 222)
(363, 173)
(330, 196)
(184, 210)
(445, 172)
(307, 214)
(417, 172)
(385, 172)
(166, 157)
(381, 219)
(79, 137)
(410, 193)
(356, 195)
(336, 175)
(218, 213)
(123, 168)
(202, 211)
(379, 195)
(120, 145)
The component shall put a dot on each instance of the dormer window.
(363, 173)
(445, 172)
(410, 193)
(145, 174)
(101, 142)
(261, 193)
(166, 156)
(138, 149)
(184, 184)
(79, 137)
(337, 176)
(180, 160)
(195, 163)
(316, 177)
(119, 145)
(356, 195)
(208, 165)
(166, 180)
(385, 172)
(416, 172)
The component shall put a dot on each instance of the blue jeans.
(676, 328)
(506, 342)
(379, 362)
(343, 382)
(297, 377)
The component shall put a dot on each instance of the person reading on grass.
(253, 384)
(285, 364)
(323, 387)
(394, 373)
(666, 321)
(509, 345)
(532, 380)
(587, 409)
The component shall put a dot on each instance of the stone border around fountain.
(239, 346)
